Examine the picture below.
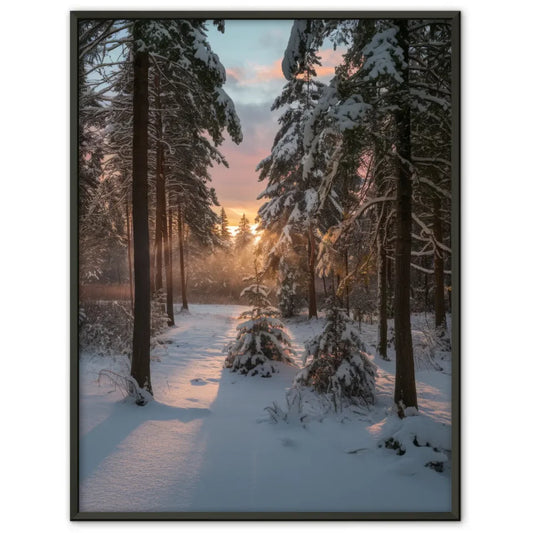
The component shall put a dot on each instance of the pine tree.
(261, 343)
(167, 82)
(140, 359)
(431, 92)
(203, 107)
(98, 203)
(405, 384)
(225, 235)
(338, 367)
(244, 236)
(355, 103)
(291, 209)
(194, 199)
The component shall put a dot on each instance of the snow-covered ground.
(206, 443)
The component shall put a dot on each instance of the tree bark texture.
(440, 315)
(311, 257)
(184, 302)
(130, 265)
(160, 214)
(167, 234)
(405, 384)
(140, 359)
(382, 291)
(346, 284)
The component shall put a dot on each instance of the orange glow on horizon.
(253, 228)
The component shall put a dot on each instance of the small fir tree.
(244, 235)
(261, 343)
(339, 366)
(225, 235)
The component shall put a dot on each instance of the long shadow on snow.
(232, 437)
(125, 417)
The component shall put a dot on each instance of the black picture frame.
(455, 513)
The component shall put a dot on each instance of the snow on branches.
(339, 367)
(261, 343)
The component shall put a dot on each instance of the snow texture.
(382, 55)
(206, 442)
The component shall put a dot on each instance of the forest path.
(136, 458)
(205, 443)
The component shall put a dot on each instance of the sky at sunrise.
(251, 51)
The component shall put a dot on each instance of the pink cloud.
(254, 74)
(264, 73)
(234, 72)
(330, 59)
(268, 72)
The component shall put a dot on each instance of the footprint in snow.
(198, 381)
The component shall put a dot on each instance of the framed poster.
(265, 265)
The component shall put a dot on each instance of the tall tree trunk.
(382, 291)
(426, 293)
(160, 214)
(440, 316)
(311, 274)
(405, 384)
(140, 358)
(128, 240)
(346, 283)
(167, 233)
(390, 287)
(184, 303)
(152, 269)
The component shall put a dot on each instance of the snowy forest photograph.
(266, 269)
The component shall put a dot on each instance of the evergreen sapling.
(339, 367)
(261, 343)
